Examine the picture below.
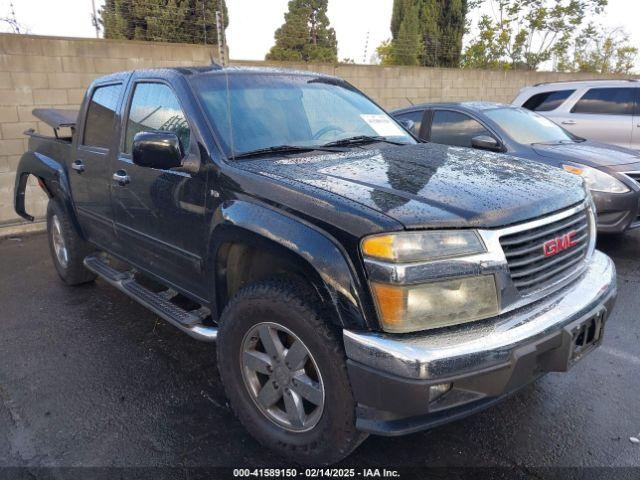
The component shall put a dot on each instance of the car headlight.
(420, 246)
(453, 300)
(409, 308)
(596, 180)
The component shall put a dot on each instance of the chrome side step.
(190, 322)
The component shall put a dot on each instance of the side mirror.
(486, 142)
(408, 124)
(160, 150)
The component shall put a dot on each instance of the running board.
(190, 322)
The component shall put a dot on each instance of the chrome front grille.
(531, 266)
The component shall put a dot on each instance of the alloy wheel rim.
(282, 377)
(59, 247)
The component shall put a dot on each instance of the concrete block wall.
(40, 71)
(396, 87)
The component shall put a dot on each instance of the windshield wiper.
(361, 139)
(282, 149)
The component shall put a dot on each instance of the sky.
(253, 22)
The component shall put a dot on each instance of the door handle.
(121, 178)
(78, 166)
(569, 122)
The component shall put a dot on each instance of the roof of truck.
(214, 69)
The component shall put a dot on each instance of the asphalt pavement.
(90, 378)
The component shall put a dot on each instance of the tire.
(68, 249)
(330, 433)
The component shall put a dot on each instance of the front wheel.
(68, 249)
(285, 374)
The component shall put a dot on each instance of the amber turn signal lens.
(379, 247)
(572, 169)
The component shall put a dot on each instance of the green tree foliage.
(598, 50)
(178, 21)
(426, 32)
(306, 34)
(522, 34)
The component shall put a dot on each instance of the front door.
(89, 172)
(160, 213)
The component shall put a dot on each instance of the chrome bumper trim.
(488, 343)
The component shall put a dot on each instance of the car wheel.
(68, 249)
(284, 372)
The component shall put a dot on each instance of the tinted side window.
(154, 107)
(101, 114)
(547, 101)
(606, 101)
(415, 117)
(452, 128)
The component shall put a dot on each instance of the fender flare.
(321, 254)
(54, 177)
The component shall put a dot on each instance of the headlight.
(409, 308)
(451, 301)
(596, 180)
(420, 246)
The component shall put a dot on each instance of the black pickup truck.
(355, 280)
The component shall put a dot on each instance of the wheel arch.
(269, 243)
(52, 178)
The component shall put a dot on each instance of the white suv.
(601, 110)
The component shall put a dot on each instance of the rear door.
(160, 213)
(89, 173)
(603, 114)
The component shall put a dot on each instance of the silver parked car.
(606, 111)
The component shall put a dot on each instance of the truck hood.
(590, 153)
(432, 186)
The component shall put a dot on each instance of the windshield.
(257, 111)
(527, 127)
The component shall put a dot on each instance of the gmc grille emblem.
(559, 244)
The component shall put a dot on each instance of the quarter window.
(101, 114)
(155, 107)
(547, 101)
(453, 128)
(415, 117)
(606, 101)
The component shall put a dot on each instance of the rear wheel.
(68, 249)
(285, 374)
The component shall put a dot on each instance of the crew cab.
(355, 280)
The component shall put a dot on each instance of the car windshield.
(254, 111)
(524, 126)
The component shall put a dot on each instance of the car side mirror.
(160, 150)
(486, 142)
(408, 124)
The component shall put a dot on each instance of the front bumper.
(391, 375)
(617, 212)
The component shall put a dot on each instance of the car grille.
(530, 268)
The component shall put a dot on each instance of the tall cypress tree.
(177, 21)
(440, 30)
(407, 47)
(306, 34)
